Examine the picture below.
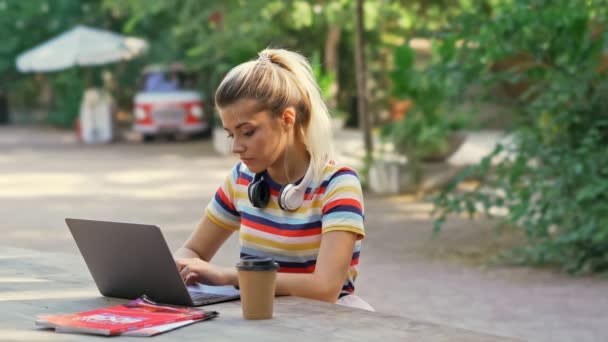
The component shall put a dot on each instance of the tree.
(24, 24)
(361, 80)
(553, 182)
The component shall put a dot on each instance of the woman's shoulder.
(336, 170)
(340, 181)
(333, 166)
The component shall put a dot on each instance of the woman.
(287, 197)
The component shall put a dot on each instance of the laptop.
(129, 260)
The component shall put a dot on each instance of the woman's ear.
(289, 117)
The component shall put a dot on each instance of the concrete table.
(33, 283)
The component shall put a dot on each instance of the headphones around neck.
(290, 197)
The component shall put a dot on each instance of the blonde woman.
(287, 196)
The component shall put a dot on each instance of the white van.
(168, 104)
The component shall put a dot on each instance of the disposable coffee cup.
(257, 283)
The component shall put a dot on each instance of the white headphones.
(290, 197)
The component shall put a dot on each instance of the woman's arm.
(205, 241)
(324, 284)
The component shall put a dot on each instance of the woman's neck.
(290, 167)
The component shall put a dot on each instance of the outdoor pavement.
(46, 176)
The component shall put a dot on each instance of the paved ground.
(45, 176)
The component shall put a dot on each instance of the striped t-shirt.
(292, 238)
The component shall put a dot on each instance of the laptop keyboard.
(205, 296)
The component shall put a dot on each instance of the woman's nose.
(237, 146)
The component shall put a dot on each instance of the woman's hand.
(195, 270)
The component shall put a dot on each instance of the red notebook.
(135, 315)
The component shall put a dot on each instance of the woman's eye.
(230, 135)
(249, 133)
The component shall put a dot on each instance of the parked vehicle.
(168, 104)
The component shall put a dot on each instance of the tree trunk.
(332, 62)
(364, 123)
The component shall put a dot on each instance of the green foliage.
(426, 131)
(212, 36)
(554, 178)
(70, 85)
(215, 35)
(324, 79)
(25, 24)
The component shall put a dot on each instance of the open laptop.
(128, 260)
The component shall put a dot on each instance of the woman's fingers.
(184, 272)
(183, 263)
(180, 263)
(191, 278)
(192, 270)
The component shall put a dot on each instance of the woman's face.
(258, 138)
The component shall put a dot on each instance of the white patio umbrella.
(81, 46)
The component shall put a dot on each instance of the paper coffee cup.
(257, 283)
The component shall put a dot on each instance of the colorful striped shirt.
(292, 238)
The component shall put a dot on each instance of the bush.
(427, 130)
(69, 87)
(555, 185)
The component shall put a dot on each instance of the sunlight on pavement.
(150, 184)
(32, 235)
(18, 255)
(21, 280)
(411, 204)
(26, 185)
(29, 336)
(407, 208)
(48, 294)
(141, 176)
(400, 217)
(171, 191)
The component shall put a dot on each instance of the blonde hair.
(279, 79)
